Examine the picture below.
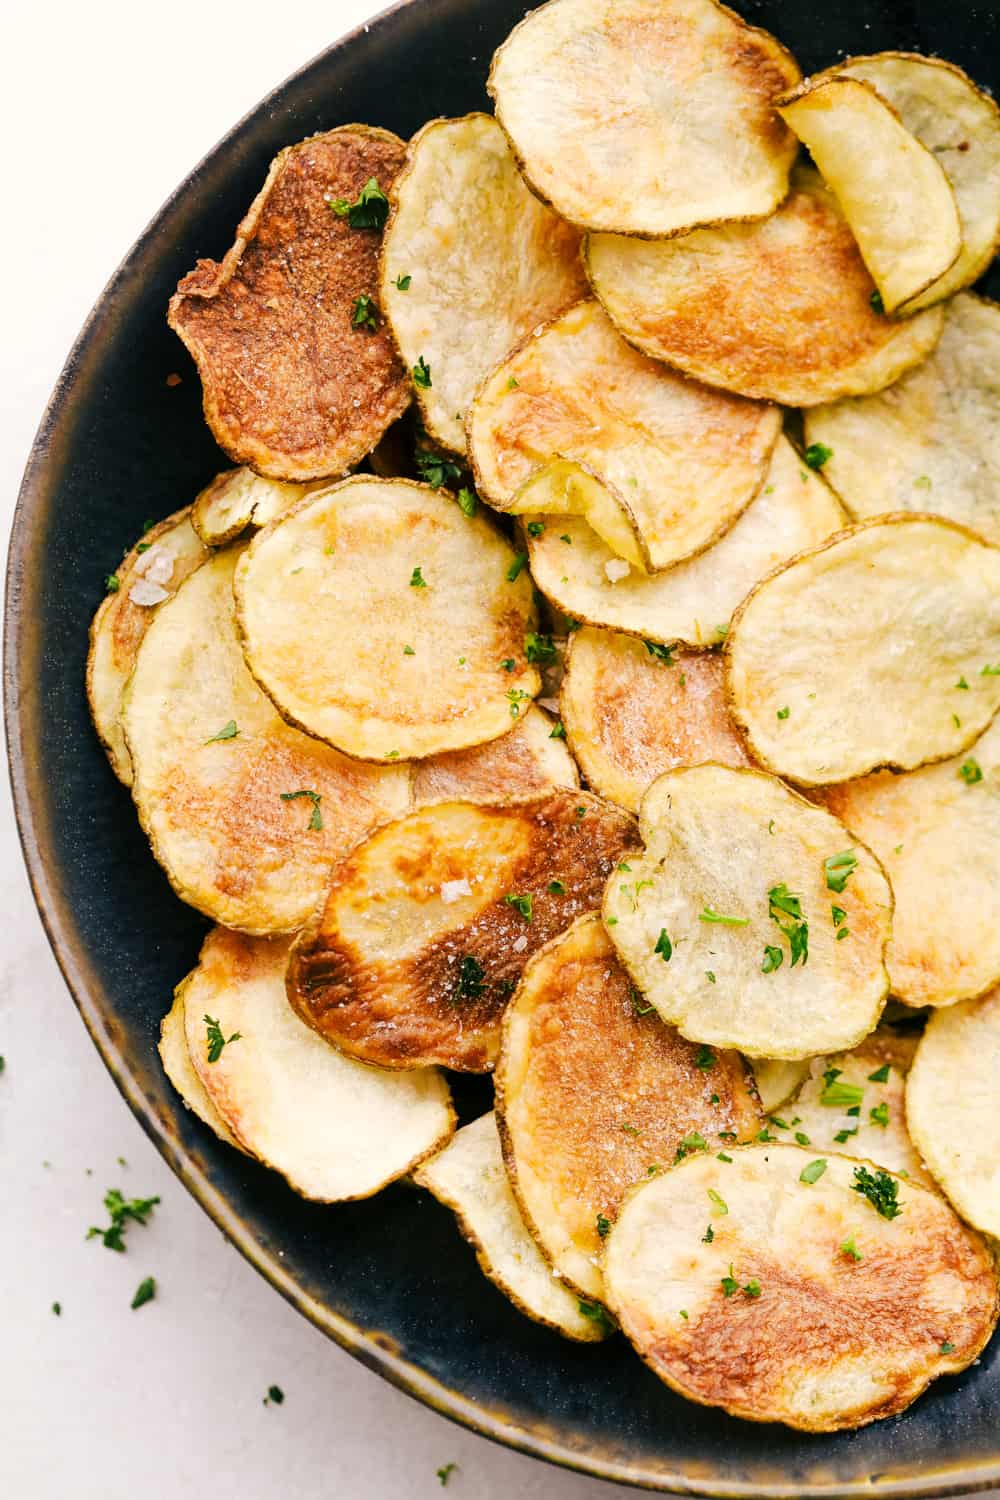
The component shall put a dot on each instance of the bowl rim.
(31, 815)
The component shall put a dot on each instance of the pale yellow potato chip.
(568, 489)
(809, 1305)
(527, 760)
(377, 616)
(778, 1078)
(893, 192)
(780, 309)
(684, 460)
(470, 262)
(179, 1068)
(869, 651)
(728, 922)
(646, 116)
(239, 499)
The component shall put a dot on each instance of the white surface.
(104, 1403)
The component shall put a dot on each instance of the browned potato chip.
(633, 710)
(295, 384)
(527, 760)
(799, 326)
(683, 459)
(429, 923)
(595, 1093)
(646, 116)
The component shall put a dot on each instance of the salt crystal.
(520, 943)
(616, 569)
(147, 593)
(452, 890)
(157, 564)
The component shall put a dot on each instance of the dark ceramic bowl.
(390, 1279)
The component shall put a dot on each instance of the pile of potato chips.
(521, 544)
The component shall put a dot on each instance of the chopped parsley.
(508, 664)
(275, 1396)
(816, 455)
(837, 1095)
(468, 500)
(665, 654)
(640, 1010)
(422, 374)
(471, 976)
(112, 583)
(947, 1348)
(515, 697)
(520, 903)
(721, 1156)
(539, 647)
(752, 1288)
(730, 1286)
(664, 947)
(781, 902)
(970, 771)
(535, 528)
(402, 283)
(710, 976)
(705, 1059)
(721, 1207)
(227, 732)
(880, 1189)
(216, 1040)
(693, 1142)
(839, 915)
(961, 683)
(708, 1236)
(877, 304)
(813, 1172)
(365, 313)
(802, 1139)
(436, 471)
(597, 1314)
(144, 1292)
(989, 671)
(408, 651)
(558, 730)
(880, 1114)
(849, 1248)
(881, 1075)
(315, 824)
(603, 1226)
(773, 959)
(556, 888)
(368, 211)
(445, 1472)
(512, 382)
(631, 1129)
(783, 712)
(838, 869)
(57, 1309)
(516, 567)
(684, 1314)
(417, 579)
(708, 914)
(121, 1211)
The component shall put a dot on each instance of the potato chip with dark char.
(430, 921)
(295, 385)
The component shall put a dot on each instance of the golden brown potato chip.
(148, 575)
(937, 832)
(874, 649)
(684, 459)
(633, 710)
(470, 1178)
(961, 125)
(334, 1128)
(245, 814)
(429, 923)
(751, 920)
(527, 760)
(694, 601)
(471, 261)
(646, 116)
(933, 431)
(181, 1071)
(378, 617)
(239, 499)
(297, 381)
(810, 1305)
(595, 1093)
(892, 191)
(798, 324)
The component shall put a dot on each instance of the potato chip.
(932, 431)
(937, 832)
(684, 460)
(874, 649)
(633, 710)
(429, 923)
(892, 191)
(378, 617)
(179, 1068)
(751, 920)
(829, 1296)
(239, 499)
(470, 263)
(300, 377)
(694, 601)
(148, 575)
(595, 1093)
(527, 760)
(334, 1128)
(855, 1102)
(645, 116)
(568, 489)
(780, 309)
(470, 1178)
(245, 814)
(777, 1079)
(960, 124)
(952, 1095)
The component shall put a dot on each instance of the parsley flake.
(445, 1472)
(422, 374)
(877, 304)
(539, 647)
(467, 500)
(773, 959)
(849, 1248)
(720, 1206)
(640, 1010)
(838, 869)
(216, 1040)
(781, 902)
(112, 583)
(947, 1348)
(705, 1059)
(122, 1211)
(813, 1172)
(515, 697)
(837, 1095)
(402, 283)
(970, 771)
(315, 824)
(471, 976)
(783, 712)
(693, 1142)
(881, 1075)
(535, 528)
(597, 1314)
(708, 914)
(437, 471)
(730, 1286)
(227, 732)
(144, 1292)
(368, 211)
(556, 888)
(558, 730)
(664, 654)
(880, 1189)
(664, 947)
(417, 579)
(521, 903)
(708, 1236)
(816, 455)
(365, 313)
(603, 1226)
(880, 1114)
(516, 567)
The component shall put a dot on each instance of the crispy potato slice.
(694, 601)
(798, 324)
(952, 1095)
(179, 1068)
(333, 1128)
(855, 1101)
(519, 764)
(932, 431)
(632, 713)
(645, 116)
(874, 649)
(470, 263)
(149, 575)
(293, 385)
(727, 924)
(418, 949)
(568, 489)
(594, 1093)
(470, 1178)
(937, 831)
(777, 1079)
(893, 192)
(423, 602)
(960, 124)
(783, 1323)
(684, 460)
(245, 814)
(239, 499)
